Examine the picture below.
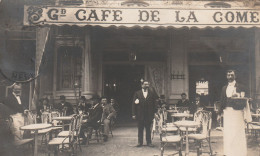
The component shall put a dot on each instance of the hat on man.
(62, 97)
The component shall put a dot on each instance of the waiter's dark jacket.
(144, 111)
(224, 99)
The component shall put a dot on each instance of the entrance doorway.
(206, 81)
(121, 82)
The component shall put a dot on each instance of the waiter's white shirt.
(145, 93)
(231, 89)
(18, 99)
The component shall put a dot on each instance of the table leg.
(36, 143)
(63, 125)
(187, 143)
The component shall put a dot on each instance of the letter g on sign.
(52, 14)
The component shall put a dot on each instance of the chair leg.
(210, 149)
(111, 132)
(162, 149)
(97, 135)
(180, 149)
(198, 147)
(79, 144)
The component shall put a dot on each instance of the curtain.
(155, 74)
(42, 34)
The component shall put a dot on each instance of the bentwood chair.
(67, 143)
(205, 120)
(167, 137)
(76, 127)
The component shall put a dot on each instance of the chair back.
(182, 109)
(204, 118)
(72, 128)
(45, 117)
(30, 118)
(217, 105)
(79, 119)
(258, 111)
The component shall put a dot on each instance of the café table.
(35, 128)
(187, 124)
(172, 111)
(256, 116)
(63, 118)
(181, 116)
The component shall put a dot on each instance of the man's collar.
(146, 90)
(15, 94)
(232, 83)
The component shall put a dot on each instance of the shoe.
(150, 145)
(84, 141)
(139, 145)
(105, 138)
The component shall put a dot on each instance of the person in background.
(162, 102)
(18, 108)
(7, 146)
(143, 109)
(108, 113)
(83, 105)
(93, 119)
(115, 105)
(183, 102)
(64, 106)
(197, 105)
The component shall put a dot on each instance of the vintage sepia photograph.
(130, 77)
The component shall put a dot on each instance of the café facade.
(107, 47)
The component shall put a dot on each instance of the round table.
(257, 116)
(35, 127)
(63, 118)
(172, 111)
(187, 124)
(180, 115)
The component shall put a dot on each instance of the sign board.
(141, 16)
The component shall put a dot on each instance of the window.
(69, 67)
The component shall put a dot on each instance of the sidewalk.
(125, 139)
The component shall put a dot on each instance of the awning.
(152, 14)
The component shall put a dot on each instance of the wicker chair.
(167, 136)
(67, 143)
(205, 119)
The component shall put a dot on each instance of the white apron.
(18, 121)
(234, 133)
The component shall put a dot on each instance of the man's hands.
(134, 117)
(219, 118)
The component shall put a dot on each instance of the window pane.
(69, 67)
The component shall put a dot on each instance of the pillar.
(177, 64)
(257, 64)
(87, 69)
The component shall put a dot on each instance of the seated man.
(95, 115)
(64, 106)
(184, 102)
(115, 105)
(197, 105)
(108, 113)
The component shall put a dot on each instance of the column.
(177, 65)
(87, 67)
(257, 63)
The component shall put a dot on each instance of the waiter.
(143, 109)
(234, 126)
(17, 105)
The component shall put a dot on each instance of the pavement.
(124, 141)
